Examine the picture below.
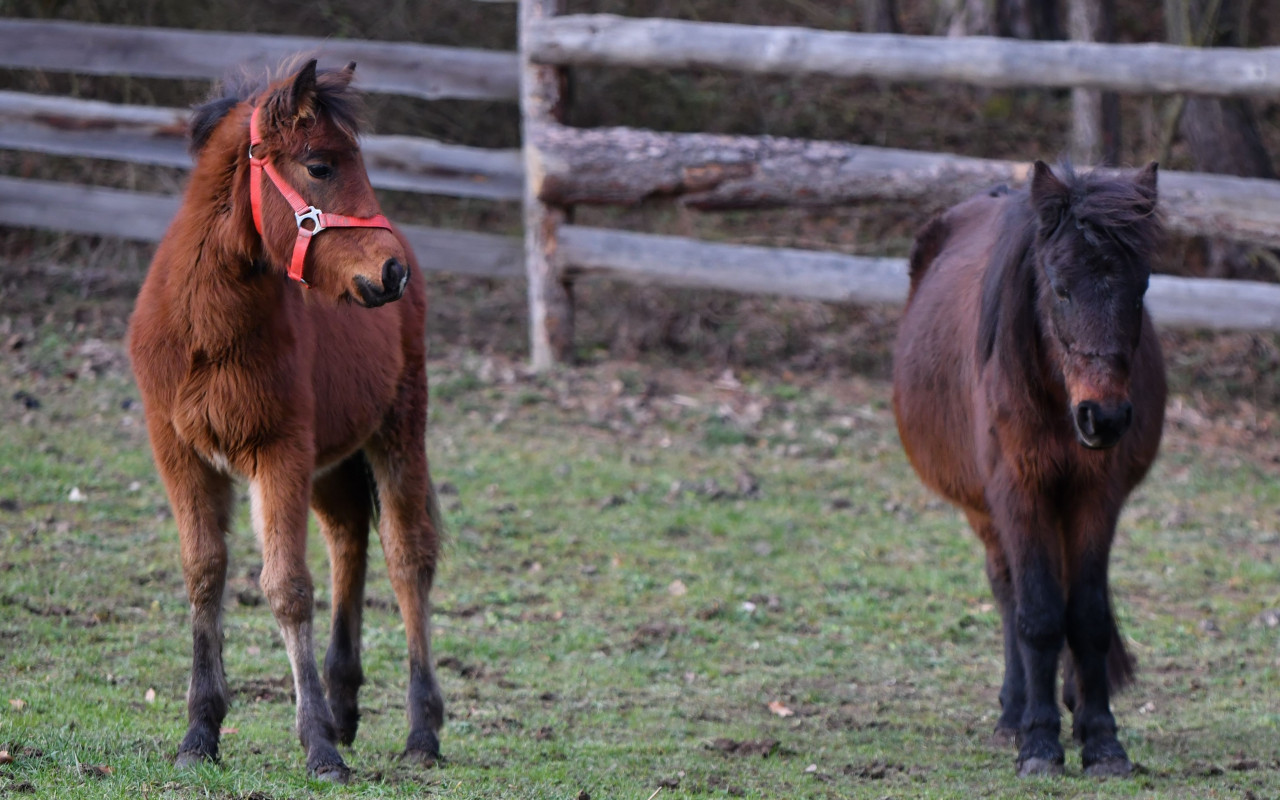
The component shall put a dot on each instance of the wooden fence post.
(1095, 115)
(550, 296)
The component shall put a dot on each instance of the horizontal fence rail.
(676, 261)
(143, 216)
(637, 258)
(150, 135)
(710, 171)
(605, 39)
(416, 70)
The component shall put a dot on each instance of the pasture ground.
(683, 579)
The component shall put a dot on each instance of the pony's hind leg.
(410, 532)
(1013, 690)
(278, 497)
(343, 501)
(201, 498)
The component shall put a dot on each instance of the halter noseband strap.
(303, 211)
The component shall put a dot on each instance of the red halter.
(302, 210)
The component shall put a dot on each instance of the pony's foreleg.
(342, 499)
(201, 498)
(278, 496)
(410, 533)
(1013, 691)
(1091, 629)
(1033, 545)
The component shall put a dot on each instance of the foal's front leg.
(201, 500)
(279, 494)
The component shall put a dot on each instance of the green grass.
(614, 604)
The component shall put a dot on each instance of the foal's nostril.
(394, 276)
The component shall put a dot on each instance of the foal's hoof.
(192, 758)
(422, 759)
(1035, 767)
(1110, 768)
(332, 773)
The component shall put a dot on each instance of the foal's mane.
(334, 99)
(1118, 213)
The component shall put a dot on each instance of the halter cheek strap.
(303, 212)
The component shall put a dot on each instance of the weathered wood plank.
(707, 171)
(606, 39)
(148, 135)
(676, 261)
(98, 211)
(427, 71)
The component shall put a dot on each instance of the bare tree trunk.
(1221, 133)
(880, 16)
(1028, 19)
(1095, 129)
(966, 17)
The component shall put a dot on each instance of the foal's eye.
(1062, 294)
(320, 171)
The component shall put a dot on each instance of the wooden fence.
(559, 166)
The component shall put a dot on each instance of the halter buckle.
(313, 214)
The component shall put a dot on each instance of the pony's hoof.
(332, 773)
(1110, 768)
(422, 759)
(192, 758)
(1036, 767)
(1004, 736)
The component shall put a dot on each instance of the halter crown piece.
(303, 211)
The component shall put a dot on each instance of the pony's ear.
(1146, 178)
(302, 95)
(1049, 196)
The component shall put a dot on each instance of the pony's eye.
(1062, 294)
(320, 171)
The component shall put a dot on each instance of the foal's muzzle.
(395, 276)
(1099, 427)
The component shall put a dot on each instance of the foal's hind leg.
(201, 500)
(342, 500)
(1013, 691)
(1091, 629)
(409, 529)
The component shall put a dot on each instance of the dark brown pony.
(316, 396)
(1029, 390)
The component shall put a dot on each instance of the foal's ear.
(1146, 178)
(1049, 196)
(302, 95)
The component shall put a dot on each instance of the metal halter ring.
(313, 214)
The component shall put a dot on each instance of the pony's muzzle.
(395, 276)
(1099, 427)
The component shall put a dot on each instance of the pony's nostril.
(394, 276)
(1086, 418)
